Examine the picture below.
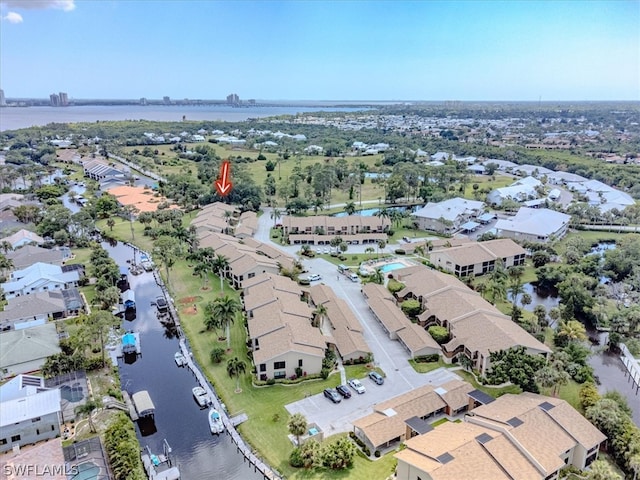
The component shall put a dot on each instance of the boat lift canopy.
(142, 402)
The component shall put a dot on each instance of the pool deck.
(372, 265)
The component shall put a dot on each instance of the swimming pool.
(392, 266)
(87, 471)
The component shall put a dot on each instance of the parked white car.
(356, 385)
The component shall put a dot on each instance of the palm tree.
(235, 368)
(202, 270)
(276, 214)
(573, 330)
(111, 223)
(297, 426)
(211, 321)
(6, 247)
(377, 277)
(350, 208)
(381, 246)
(383, 213)
(318, 315)
(220, 265)
(226, 309)
(369, 250)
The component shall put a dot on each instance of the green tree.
(235, 368)
(411, 307)
(339, 454)
(297, 426)
(601, 470)
(439, 334)
(111, 223)
(217, 354)
(166, 251)
(220, 264)
(211, 321)
(350, 208)
(515, 365)
(226, 309)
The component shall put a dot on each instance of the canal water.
(178, 419)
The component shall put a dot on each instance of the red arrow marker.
(223, 184)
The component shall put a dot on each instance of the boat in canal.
(129, 300)
(160, 467)
(201, 396)
(179, 358)
(215, 421)
(131, 343)
(143, 404)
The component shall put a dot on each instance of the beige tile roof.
(321, 293)
(290, 338)
(388, 313)
(48, 455)
(452, 303)
(456, 394)
(575, 424)
(339, 313)
(416, 338)
(270, 319)
(350, 343)
(380, 428)
(478, 252)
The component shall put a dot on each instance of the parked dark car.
(344, 391)
(376, 377)
(332, 395)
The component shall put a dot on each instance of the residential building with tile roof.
(478, 258)
(515, 437)
(534, 225)
(386, 426)
(321, 229)
(449, 215)
(26, 256)
(23, 237)
(476, 327)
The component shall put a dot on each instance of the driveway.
(389, 355)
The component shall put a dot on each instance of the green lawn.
(430, 366)
(122, 231)
(489, 390)
(570, 393)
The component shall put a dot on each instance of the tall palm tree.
(381, 245)
(369, 250)
(211, 321)
(226, 310)
(350, 208)
(220, 264)
(276, 214)
(573, 330)
(377, 277)
(235, 368)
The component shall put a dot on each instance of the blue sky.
(322, 50)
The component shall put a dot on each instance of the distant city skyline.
(322, 50)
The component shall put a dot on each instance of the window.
(251, 275)
(300, 362)
(34, 420)
(37, 431)
(263, 367)
(280, 375)
(279, 365)
(15, 438)
(3, 441)
(53, 427)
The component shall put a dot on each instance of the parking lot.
(389, 355)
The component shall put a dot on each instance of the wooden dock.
(229, 423)
(632, 367)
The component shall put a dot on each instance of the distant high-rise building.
(3, 101)
(166, 100)
(64, 99)
(233, 99)
(143, 101)
(54, 99)
(251, 101)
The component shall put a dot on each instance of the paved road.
(389, 355)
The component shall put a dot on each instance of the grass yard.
(569, 393)
(495, 392)
(422, 367)
(590, 236)
(122, 231)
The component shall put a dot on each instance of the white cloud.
(12, 17)
(66, 5)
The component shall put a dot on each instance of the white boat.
(215, 421)
(179, 358)
(201, 396)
